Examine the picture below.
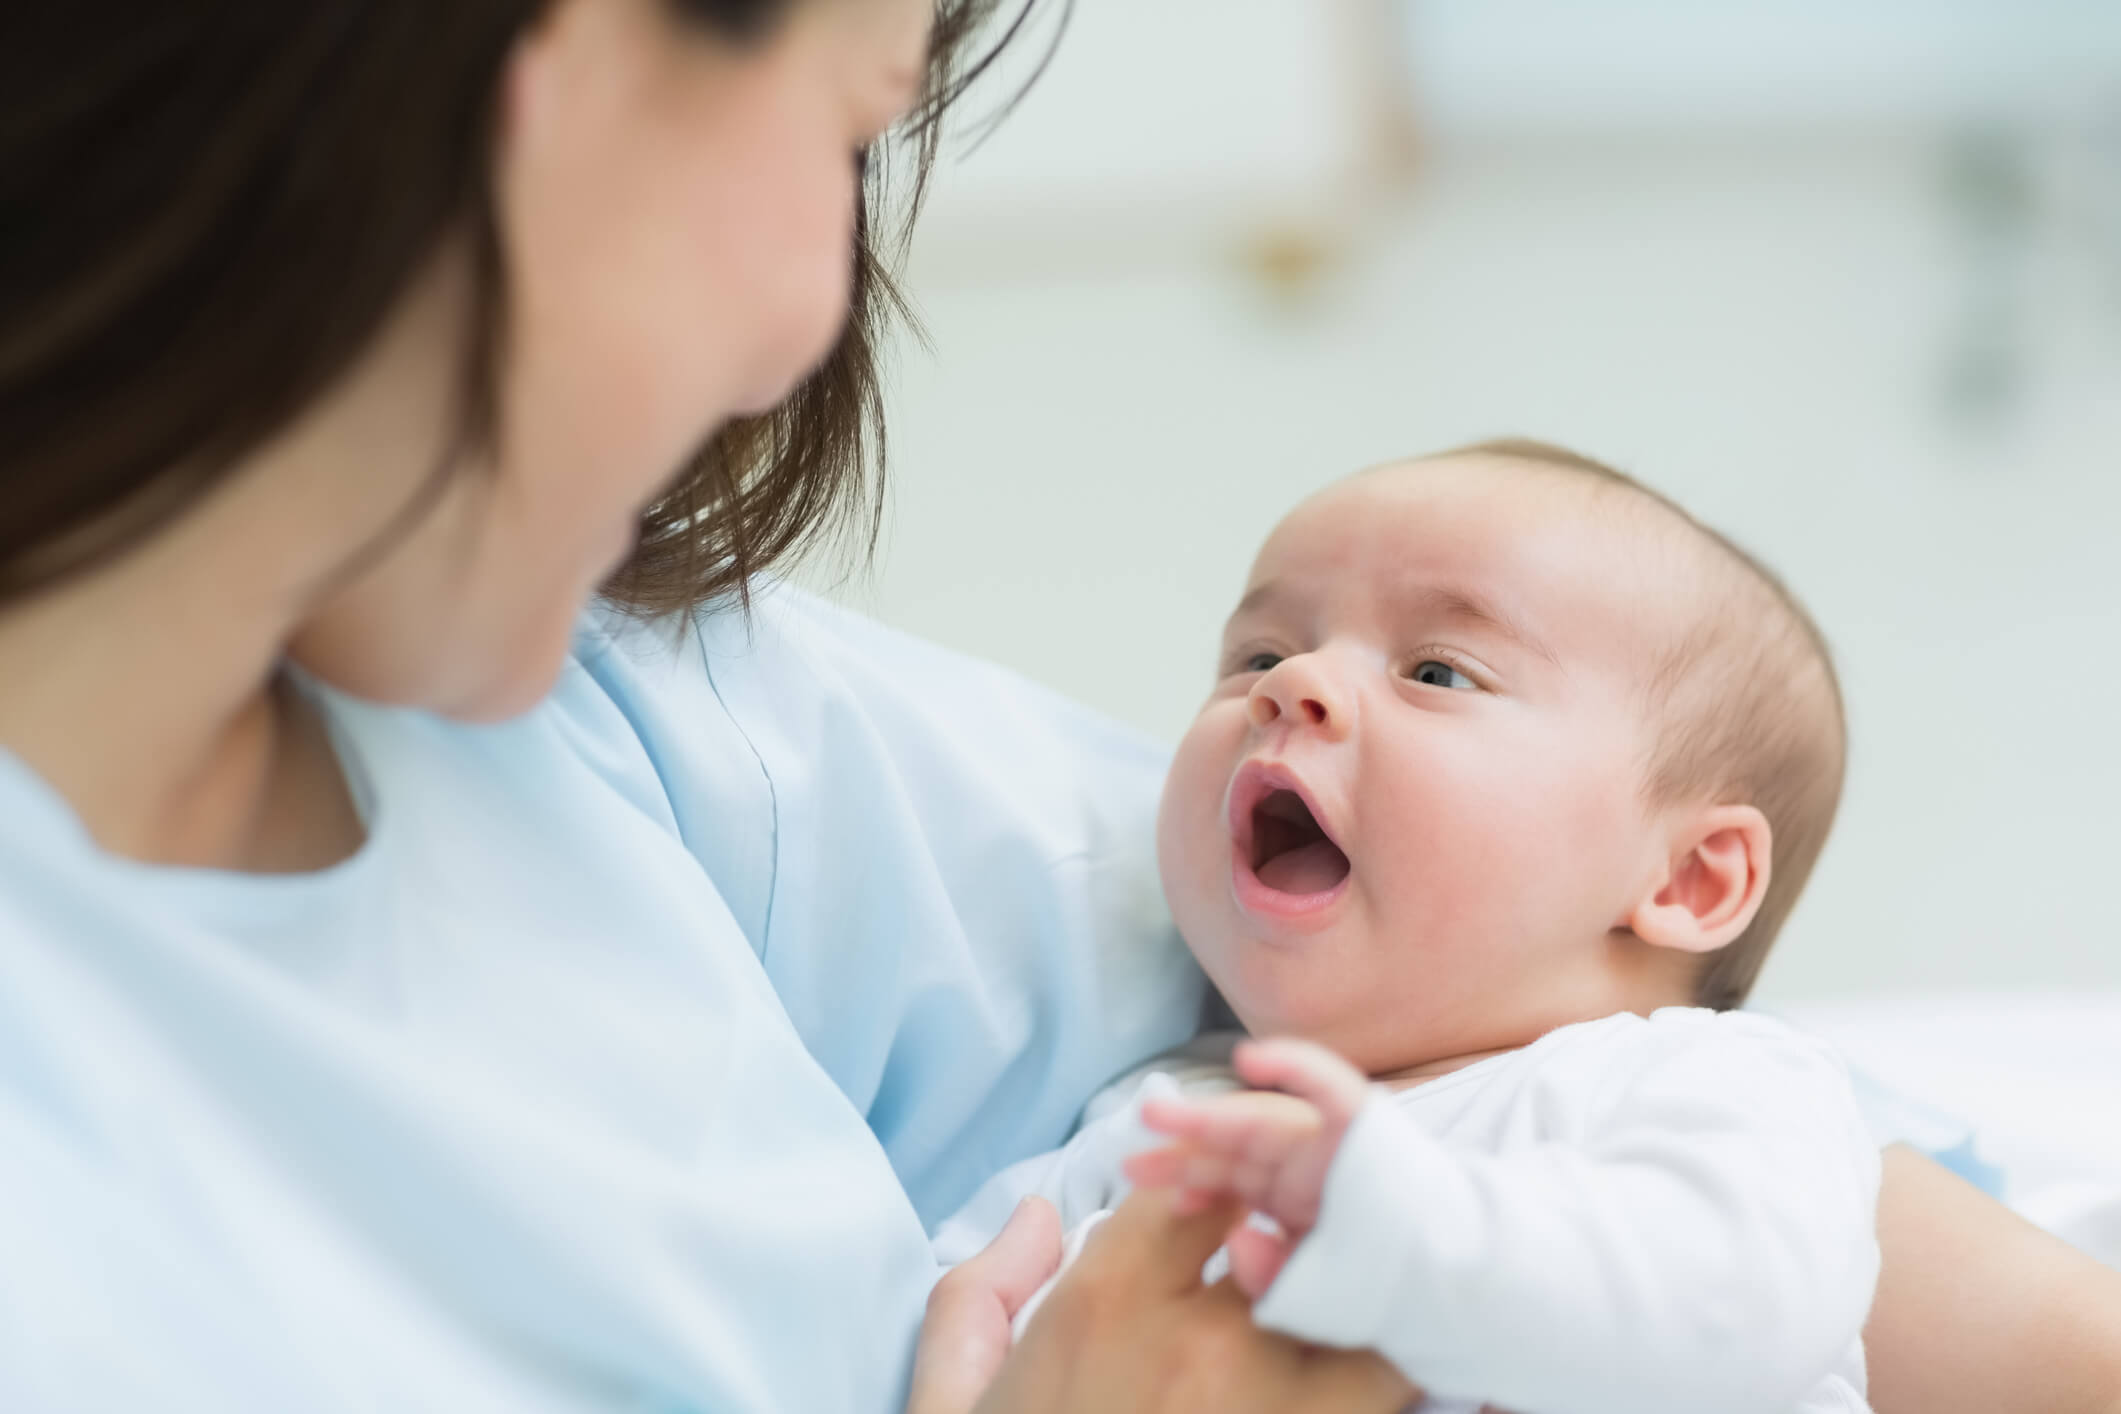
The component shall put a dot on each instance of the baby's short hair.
(1746, 709)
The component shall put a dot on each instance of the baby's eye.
(1435, 672)
(1258, 662)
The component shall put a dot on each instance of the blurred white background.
(1844, 276)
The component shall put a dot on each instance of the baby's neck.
(1420, 1072)
(1414, 1075)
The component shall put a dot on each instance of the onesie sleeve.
(1701, 1236)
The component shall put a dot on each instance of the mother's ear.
(1715, 876)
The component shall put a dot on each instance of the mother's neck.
(150, 693)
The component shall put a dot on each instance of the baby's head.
(1500, 741)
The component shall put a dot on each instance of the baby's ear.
(1713, 881)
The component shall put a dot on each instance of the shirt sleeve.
(1705, 1240)
(948, 872)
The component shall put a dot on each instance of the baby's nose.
(1298, 693)
(1266, 709)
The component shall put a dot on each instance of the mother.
(611, 1053)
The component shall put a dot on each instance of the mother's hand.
(966, 1335)
(1130, 1329)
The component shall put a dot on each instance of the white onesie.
(1629, 1215)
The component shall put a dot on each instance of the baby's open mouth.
(1290, 853)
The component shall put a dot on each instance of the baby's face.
(1410, 818)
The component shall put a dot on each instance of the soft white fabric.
(1082, 1179)
(621, 1069)
(1672, 1213)
(2031, 1080)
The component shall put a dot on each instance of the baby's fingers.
(1180, 1166)
(1257, 1125)
(1306, 1071)
(1157, 1168)
(1256, 1258)
(1180, 1119)
(1203, 1175)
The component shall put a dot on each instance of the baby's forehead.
(1467, 479)
(1602, 556)
(1466, 507)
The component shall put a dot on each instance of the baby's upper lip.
(1259, 778)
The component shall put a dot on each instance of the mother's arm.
(1978, 1310)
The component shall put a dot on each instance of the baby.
(1511, 774)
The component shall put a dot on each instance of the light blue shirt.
(625, 1066)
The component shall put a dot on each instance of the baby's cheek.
(1566, 854)
(1190, 842)
(1466, 855)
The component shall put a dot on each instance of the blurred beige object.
(1257, 129)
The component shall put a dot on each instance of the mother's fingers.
(1022, 1255)
(1273, 1372)
(1356, 1380)
(1131, 1329)
(966, 1334)
(1152, 1232)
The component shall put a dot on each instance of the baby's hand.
(1271, 1147)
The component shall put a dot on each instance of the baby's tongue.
(1309, 869)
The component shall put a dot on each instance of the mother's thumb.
(966, 1335)
(1022, 1256)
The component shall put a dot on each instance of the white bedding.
(2037, 1077)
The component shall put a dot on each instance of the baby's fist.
(1272, 1150)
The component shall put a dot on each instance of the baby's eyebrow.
(1442, 601)
(1258, 596)
(1451, 602)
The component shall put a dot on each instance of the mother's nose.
(1301, 692)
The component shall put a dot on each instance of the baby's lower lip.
(1302, 913)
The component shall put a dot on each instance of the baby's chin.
(1271, 992)
(1313, 994)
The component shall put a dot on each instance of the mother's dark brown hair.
(208, 207)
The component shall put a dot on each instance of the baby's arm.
(1702, 1239)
